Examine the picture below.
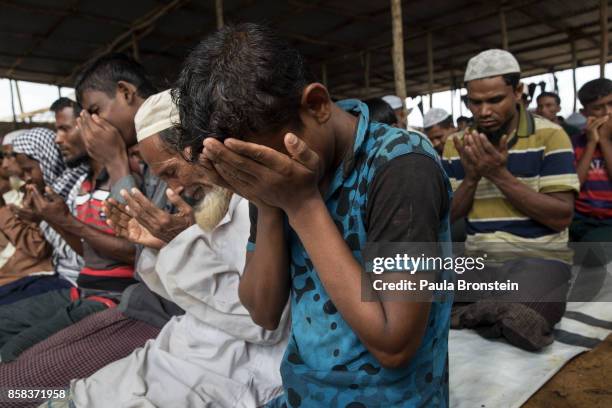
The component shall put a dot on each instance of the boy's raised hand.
(264, 175)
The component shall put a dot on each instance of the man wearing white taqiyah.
(396, 103)
(214, 355)
(438, 125)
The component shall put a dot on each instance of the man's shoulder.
(389, 143)
(450, 151)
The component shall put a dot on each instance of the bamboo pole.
(219, 13)
(574, 65)
(367, 74)
(430, 67)
(324, 74)
(13, 104)
(504, 29)
(135, 49)
(399, 70)
(19, 97)
(603, 22)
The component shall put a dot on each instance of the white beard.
(210, 211)
(16, 182)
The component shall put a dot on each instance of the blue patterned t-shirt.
(325, 364)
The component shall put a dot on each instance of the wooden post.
(430, 67)
(574, 64)
(219, 13)
(13, 104)
(603, 22)
(399, 70)
(367, 74)
(504, 28)
(324, 74)
(135, 49)
(19, 98)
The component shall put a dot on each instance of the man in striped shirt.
(593, 149)
(514, 179)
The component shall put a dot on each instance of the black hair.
(549, 95)
(241, 80)
(104, 73)
(463, 119)
(593, 90)
(512, 79)
(63, 103)
(380, 111)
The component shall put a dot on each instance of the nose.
(5, 164)
(609, 110)
(485, 110)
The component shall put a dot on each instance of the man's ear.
(518, 91)
(316, 102)
(127, 92)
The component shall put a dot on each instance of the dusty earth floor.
(586, 381)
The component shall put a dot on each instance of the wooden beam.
(141, 27)
(19, 97)
(430, 67)
(219, 13)
(324, 74)
(61, 12)
(504, 28)
(135, 49)
(13, 102)
(603, 21)
(399, 69)
(366, 73)
(574, 64)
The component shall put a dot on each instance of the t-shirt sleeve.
(558, 171)
(253, 229)
(451, 162)
(406, 201)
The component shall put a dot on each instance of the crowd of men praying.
(203, 245)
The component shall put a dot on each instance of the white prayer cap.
(434, 116)
(157, 113)
(491, 63)
(10, 137)
(394, 101)
(576, 119)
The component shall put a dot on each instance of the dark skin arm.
(605, 143)
(265, 283)
(54, 210)
(105, 145)
(158, 222)
(464, 195)
(391, 331)
(127, 227)
(555, 210)
(593, 137)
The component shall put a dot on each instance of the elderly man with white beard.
(214, 355)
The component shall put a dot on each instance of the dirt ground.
(586, 381)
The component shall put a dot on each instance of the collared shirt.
(541, 157)
(595, 199)
(99, 272)
(214, 355)
(325, 363)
